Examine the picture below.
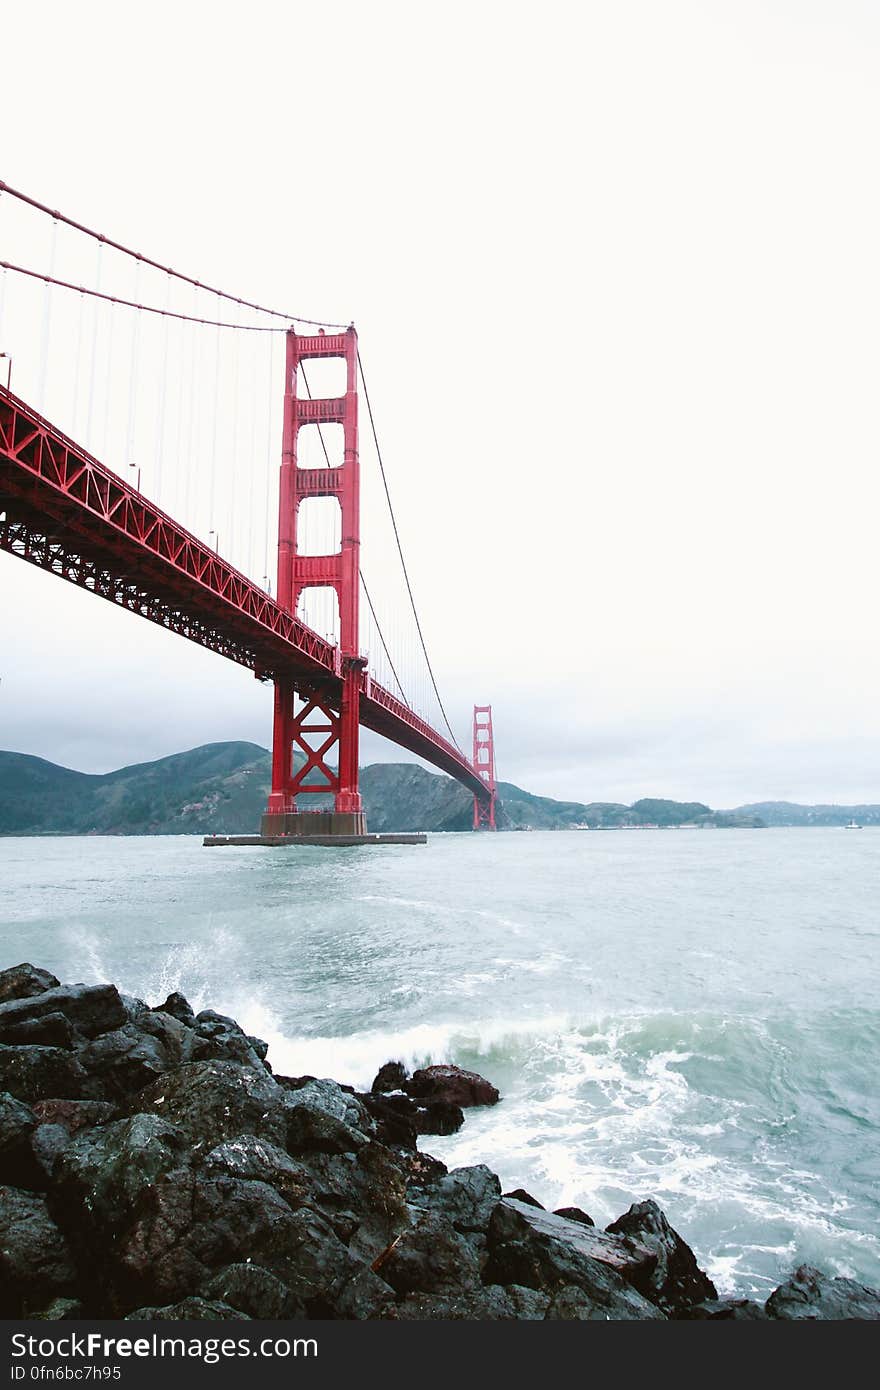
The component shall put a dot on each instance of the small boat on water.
(852, 825)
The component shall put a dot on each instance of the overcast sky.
(615, 271)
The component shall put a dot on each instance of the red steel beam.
(71, 515)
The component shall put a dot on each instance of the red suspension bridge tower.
(484, 762)
(318, 730)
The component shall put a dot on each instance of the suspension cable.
(144, 308)
(146, 260)
(400, 553)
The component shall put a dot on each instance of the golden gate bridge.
(177, 382)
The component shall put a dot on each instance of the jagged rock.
(24, 982)
(394, 1119)
(467, 1197)
(574, 1214)
(438, 1117)
(203, 1309)
(125, 1060)
(212, 1101)
(491, 1303)
(251, 1158)
(365, 1296)
(52, 1030)
(429, 1257)
(532, 1247)
(421, 1168)
(811, 1295)
(91, 1009)
(74, 1115)
(47, 1142)
(35, 1261)
(103, 1174)
(519, 1194)
(60, 1310)
(323, 1118)
(18, 1166)
(723, 1310)
(31, 1073)
(391, 1077)
(253, 1290)
(676, 1280)
(363, 1195)
(451, 1084)
(178, 1007)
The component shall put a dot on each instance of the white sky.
(616, 277)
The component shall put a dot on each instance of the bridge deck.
(71, 515)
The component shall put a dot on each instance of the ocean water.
(688, 1015)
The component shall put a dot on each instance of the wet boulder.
(545, 1252)
(254, 1291)
(24, 982)
(810, 1295)
(253, 1159)
(31, 1072)
(430, 1256)
(324, 1118)
(451, 1084)
(193, 1307)
(574, 1214)
(363, 1195)
(390, 1077)
(36, 1264)
(216, 1100)
(676, 1280)
(18, 1166)
(438, 1117)
(467, 1197)
(178, 1007)
(723, 1310)
(125, 1060)
(52, 1030)
(89, 1009)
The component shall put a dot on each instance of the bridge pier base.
(310, 823)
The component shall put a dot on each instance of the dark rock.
(519, 1194)
(178, 1007)
(74, 1115)
(24, 982)
(253, 1159)
(18, 1166)
(723, 1310)
(33, 1073)
(467, 1197)
(811, 1295)
(365, 1296)
(363, 1195)
(421, 1168)
(260, 1047)
(60, 1310)
(35, 1261)
(253, 1290)
(429, 1257)
(91, 1009)
(125, 1060)
(451, 1084)
(545, 1252)
(574, 1214)
(212, 1101)
(438, 1117)
(676, 1280)
(394, 1118)
(391, 1077)
(52, 1030)
(47, 1142)
(323, 1118)
(203, 1309)
(491, 1303)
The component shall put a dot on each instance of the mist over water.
(688, 1015)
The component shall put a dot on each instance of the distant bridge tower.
(484, 762)
(319, 730)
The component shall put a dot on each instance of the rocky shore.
(153, 1166)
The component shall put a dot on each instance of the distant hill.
(222, 788)
(789, 813)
